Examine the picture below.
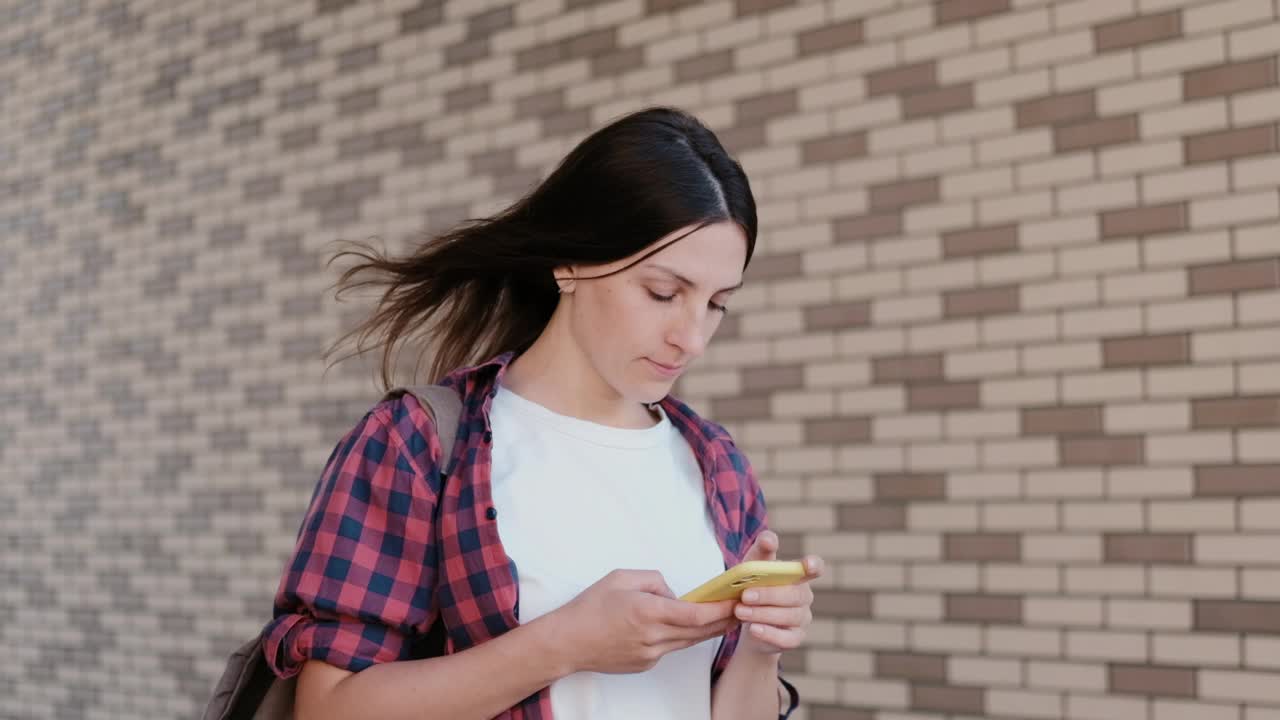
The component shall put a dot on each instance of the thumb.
(650, 581)
(764, 548)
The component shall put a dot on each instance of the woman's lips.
(665, 370)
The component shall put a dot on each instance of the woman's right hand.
(629, 619)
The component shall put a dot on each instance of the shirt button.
(491, 513)
(488, 436)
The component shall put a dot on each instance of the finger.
(689, 614)
(813, 566)
(785, 617)
(782, 595)
(686, 636)
(765, 546)
(780, 638)
(650, 581)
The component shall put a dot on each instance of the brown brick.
(757, 7)
(772, 377)
(790, 544)
(1056, 109)
(946, 395)
(744, 137)
(980, 301)
(702, 67)
(949, 11)
(911, 666)
(616, 62)
(837, 431)
(1226, 144)
(1237, 616)
(910, 486)
(1069, 420)
(1148, 548)
(541, 103)
(465, 98)
(864, 518)
(938, 101)
(967, 608)
(1237, 480)
(903, 78)
(841, 603)
(901, 193)
(835, 147)
(759, 108)
(1101, 450)
(774, 267)
(832, 37)
(652, 7)
(1229, 78)
(905, 368)
(750, 407)
(949, 699)
(1144, 220)
(867, 227)
(592, 42)
(793, 661)
(1095, 133)
(1141, 30)
(730, 327)
(980, 241)
(1152, 680)
(1261, 274)
(982, 547)
(838, 316)
(1236, 412)
(1142, 350)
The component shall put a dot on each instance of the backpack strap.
(446, 410)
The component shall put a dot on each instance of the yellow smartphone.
(754, 573)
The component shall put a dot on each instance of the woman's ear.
(566, 279)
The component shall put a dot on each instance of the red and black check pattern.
(382, 552)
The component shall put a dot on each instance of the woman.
(580, 500)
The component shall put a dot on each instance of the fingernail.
(750, 596)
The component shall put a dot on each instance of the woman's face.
(642, 327)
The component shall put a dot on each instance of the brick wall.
(1009, 355)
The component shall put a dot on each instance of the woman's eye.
(718, 308)
(661, 298)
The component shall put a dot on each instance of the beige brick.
(945, 41)
(1019, 516)
(866, 634)
(1251, 549)
(979, 123)
(1199, 648)
(1088, 707)
(821, 689)
(903, 427)
(937, 456)
(1190, 381)
(950, 274)
(1065, 293)
(955, 577)
(1023, 453)
(1140, 159)
(1104, 581)
(1103, 70)
(923, 517)
(1181, 55)
(998, 269)
(1058, 483)
(1106, 645)
(1113, 257)
(906, 606)
(837, 546)
(1039, 51)
(1257, 240)
(1108, 385)
(1029, 205)
(1208, 312)
(1137, 417)
(1023, 642)
(1172, 709)
(1124, 320)
(1034, 143)
(1020, 391)
(987, 62)
(876, 693)
(865, 575)
(1020, 579)
(906, 546)
(1084, 355)
(1186, 183)
(847, 373)
(944, 335)
(1150, 482)
(1239, 686)
(974, 670)
(1259, 514)
(1022, 703)
(1231, 13)
(1102, 516)
(1076, 13)
(1190, 447)
(904, 310)
(1127, 613)
(1059, 232)
(884, 457)
(1234, 344)
(1192, 515)
(982, 484)
(1254, 107)
(1234, 209)
(838, 662)
(1098, 195)
(1193, 582)
(800, 518)
(1144, 286)
(961, 364)
(1066, 675)
(1259, 652)
(1139, 95)
(1259, 377)
(1011, 25)
(870, 284)
(1020, 328)
(1063, 611)
(1185, 119)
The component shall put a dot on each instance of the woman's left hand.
(776, 618)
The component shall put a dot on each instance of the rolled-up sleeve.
(357, 590)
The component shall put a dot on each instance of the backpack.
(248, 689)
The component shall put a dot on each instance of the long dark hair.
(485, 286)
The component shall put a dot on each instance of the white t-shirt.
(577, 500)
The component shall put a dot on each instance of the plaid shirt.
(371, 571)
